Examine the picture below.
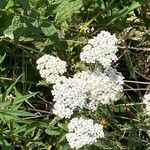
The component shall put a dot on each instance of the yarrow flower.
(146, 101)
(102, 48)
(68, 95)
(50, 67)
(101, 88)
(83, 132)
(86, 89)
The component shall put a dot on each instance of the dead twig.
(134, 48)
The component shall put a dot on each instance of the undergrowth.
(31, 28)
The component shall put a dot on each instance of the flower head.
(102, 48)
(68, 95)
(101, 88)
(83, 132)
(86, 89)
(50, 67)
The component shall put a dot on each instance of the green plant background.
(31, 28)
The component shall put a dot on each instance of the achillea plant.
(93, 59)
(85, 90)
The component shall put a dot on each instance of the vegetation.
(31, 28)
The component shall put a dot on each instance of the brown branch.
(140, 89)
(139, 82)
(134, 48)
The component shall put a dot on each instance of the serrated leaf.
(48, 31)
(66, 9)
(16, 24)
(15, 30)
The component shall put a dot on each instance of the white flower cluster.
(86, 89)
(102, 48)
(68, 95)
(83, 132)
(146, 101)
(50, 67)
(101, 88)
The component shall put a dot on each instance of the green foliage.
(31, 28)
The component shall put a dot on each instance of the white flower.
(83, 132)
(68, 95)
(50, 67)
(146, 101)
(101, 48)
(86, 89)
(101, 88)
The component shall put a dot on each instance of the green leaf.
(10, 4)
(54, 121)
(120, 109)
(15, 113)
(12, 86)
(66, 9)
(4, 144)
(129, 64)
(62, 126)
(52, 132)
(30, 129)
(63, 138)
(16, 101)
(23, 98)
(15, 28)
(126, 10)
(2, 58)
(49, 31)
(2, 118)
(9, 117)
(3, 3)
(24, 4)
